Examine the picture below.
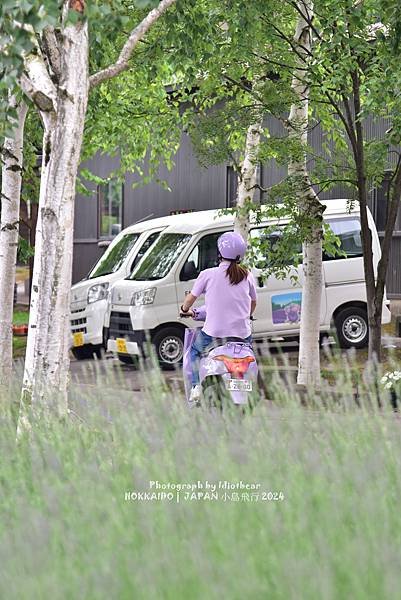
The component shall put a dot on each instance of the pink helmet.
(231, 246)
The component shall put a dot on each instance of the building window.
(232, 185)
(110, 203)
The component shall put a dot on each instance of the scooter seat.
(223, 341)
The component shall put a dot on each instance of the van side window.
(270, 240)
(348, 231)
(203, 256)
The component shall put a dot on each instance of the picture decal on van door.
(286, 308)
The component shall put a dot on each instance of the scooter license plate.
(239, 385)
(121, 346)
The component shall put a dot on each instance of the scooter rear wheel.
(215, 395)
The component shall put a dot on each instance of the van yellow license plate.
(78, 339)
(121, 346)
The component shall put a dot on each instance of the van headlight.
(143, 297)
(97, 292)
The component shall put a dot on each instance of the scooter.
(227, 371)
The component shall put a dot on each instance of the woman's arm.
(188, 302)
(253, 306)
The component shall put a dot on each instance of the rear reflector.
(237, 367)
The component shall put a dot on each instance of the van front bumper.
(120, 328)
(131, 347)
(88, 319)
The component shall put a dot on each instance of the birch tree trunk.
(247, 178)
(309, 206)
(11, 179)
(62, 107)
(47, 360)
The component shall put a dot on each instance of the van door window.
(348, 230)
(203, 256)
(276, 257)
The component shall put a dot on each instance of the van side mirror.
(188, 271)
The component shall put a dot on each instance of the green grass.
(333, 362)
(66, 530)
(21, 317)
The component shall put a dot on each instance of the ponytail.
(236, 272)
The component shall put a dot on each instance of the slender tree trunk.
(309, 351)
(393, 208)
(370, 281)
(374, 315)
(47, 356)
(9, 230)
(63, 108)
(309, 206)
(247, 178)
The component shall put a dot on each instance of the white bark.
(36, 82)
(11, 179)
(309, 355)
(47, 360)
(247, 178)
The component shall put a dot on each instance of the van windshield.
(161, 258)
(114, 256)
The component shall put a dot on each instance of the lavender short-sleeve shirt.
(228, 307)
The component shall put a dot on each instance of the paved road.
(111, 370)
(112, 373)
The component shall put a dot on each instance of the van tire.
(352, 327)
(169, 346)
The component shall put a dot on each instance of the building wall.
(86, 221)
(194, 187)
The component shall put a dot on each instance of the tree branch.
(348, 126)
(305, 16)
(36, 82)
(51, 50)
(136, 35)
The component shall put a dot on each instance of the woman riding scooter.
(230, 300)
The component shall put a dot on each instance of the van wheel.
(169, 346)
(352, 327)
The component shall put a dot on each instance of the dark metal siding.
(196, 188)
(86, 210)
(86, 254)
(394, 268)
(192, 187)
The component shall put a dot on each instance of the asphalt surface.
(117, 378)
(112, 374)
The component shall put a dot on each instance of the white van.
(147, 302)
(89, 296)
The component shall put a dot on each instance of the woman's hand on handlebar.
(189, 313)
